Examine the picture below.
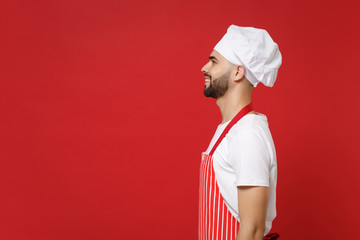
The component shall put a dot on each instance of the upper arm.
(252, 203)
(250, 159)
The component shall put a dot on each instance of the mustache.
(206, 75)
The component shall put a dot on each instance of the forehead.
(218, 56)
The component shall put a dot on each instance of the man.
(238, 172)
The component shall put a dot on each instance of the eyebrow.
(212, 57)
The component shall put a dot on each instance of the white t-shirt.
(246, 157)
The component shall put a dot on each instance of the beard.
(218, 86)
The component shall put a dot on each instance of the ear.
(240, 72)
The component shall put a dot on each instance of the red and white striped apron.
(215, 220)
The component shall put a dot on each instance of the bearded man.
(238, 171)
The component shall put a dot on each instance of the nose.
(205, 68)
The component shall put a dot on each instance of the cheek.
(214, 74)
(216, 70)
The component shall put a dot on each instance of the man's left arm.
(250, 159)
(252, 203)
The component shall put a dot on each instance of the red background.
(103, 118)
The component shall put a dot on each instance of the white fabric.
(255, 50)
(246, 157)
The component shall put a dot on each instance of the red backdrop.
(103, 118)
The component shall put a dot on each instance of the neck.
(231, 103)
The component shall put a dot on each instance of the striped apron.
(215, 220)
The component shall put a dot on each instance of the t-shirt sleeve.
(250, 159)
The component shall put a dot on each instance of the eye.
(213, 61)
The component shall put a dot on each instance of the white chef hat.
(255, 50)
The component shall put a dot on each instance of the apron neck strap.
(245, 110)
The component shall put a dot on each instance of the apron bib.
(215, 220)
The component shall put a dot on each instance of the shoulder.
(250, 126)
(250, 136)
(249, 139)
